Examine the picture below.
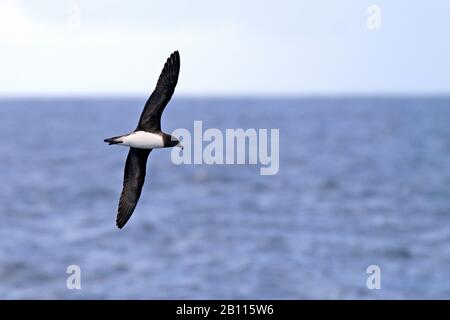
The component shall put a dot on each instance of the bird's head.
(174, 142)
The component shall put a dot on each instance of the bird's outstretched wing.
(151, 116)
(133, 180)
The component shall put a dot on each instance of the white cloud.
(15, 26)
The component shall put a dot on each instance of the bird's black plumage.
(151, 116)
(150, 121)
(133, 180)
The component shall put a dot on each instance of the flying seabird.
(146, 137)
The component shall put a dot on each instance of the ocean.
(362, 182)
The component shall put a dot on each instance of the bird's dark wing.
(151, 116)
(133, 180)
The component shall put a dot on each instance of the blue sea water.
(362, 181)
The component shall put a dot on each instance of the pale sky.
(231, 47)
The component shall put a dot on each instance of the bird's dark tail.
(113, 140)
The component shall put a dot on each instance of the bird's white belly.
(143, 140)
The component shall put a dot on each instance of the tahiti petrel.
(145, 138)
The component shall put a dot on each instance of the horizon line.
(137, 96)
